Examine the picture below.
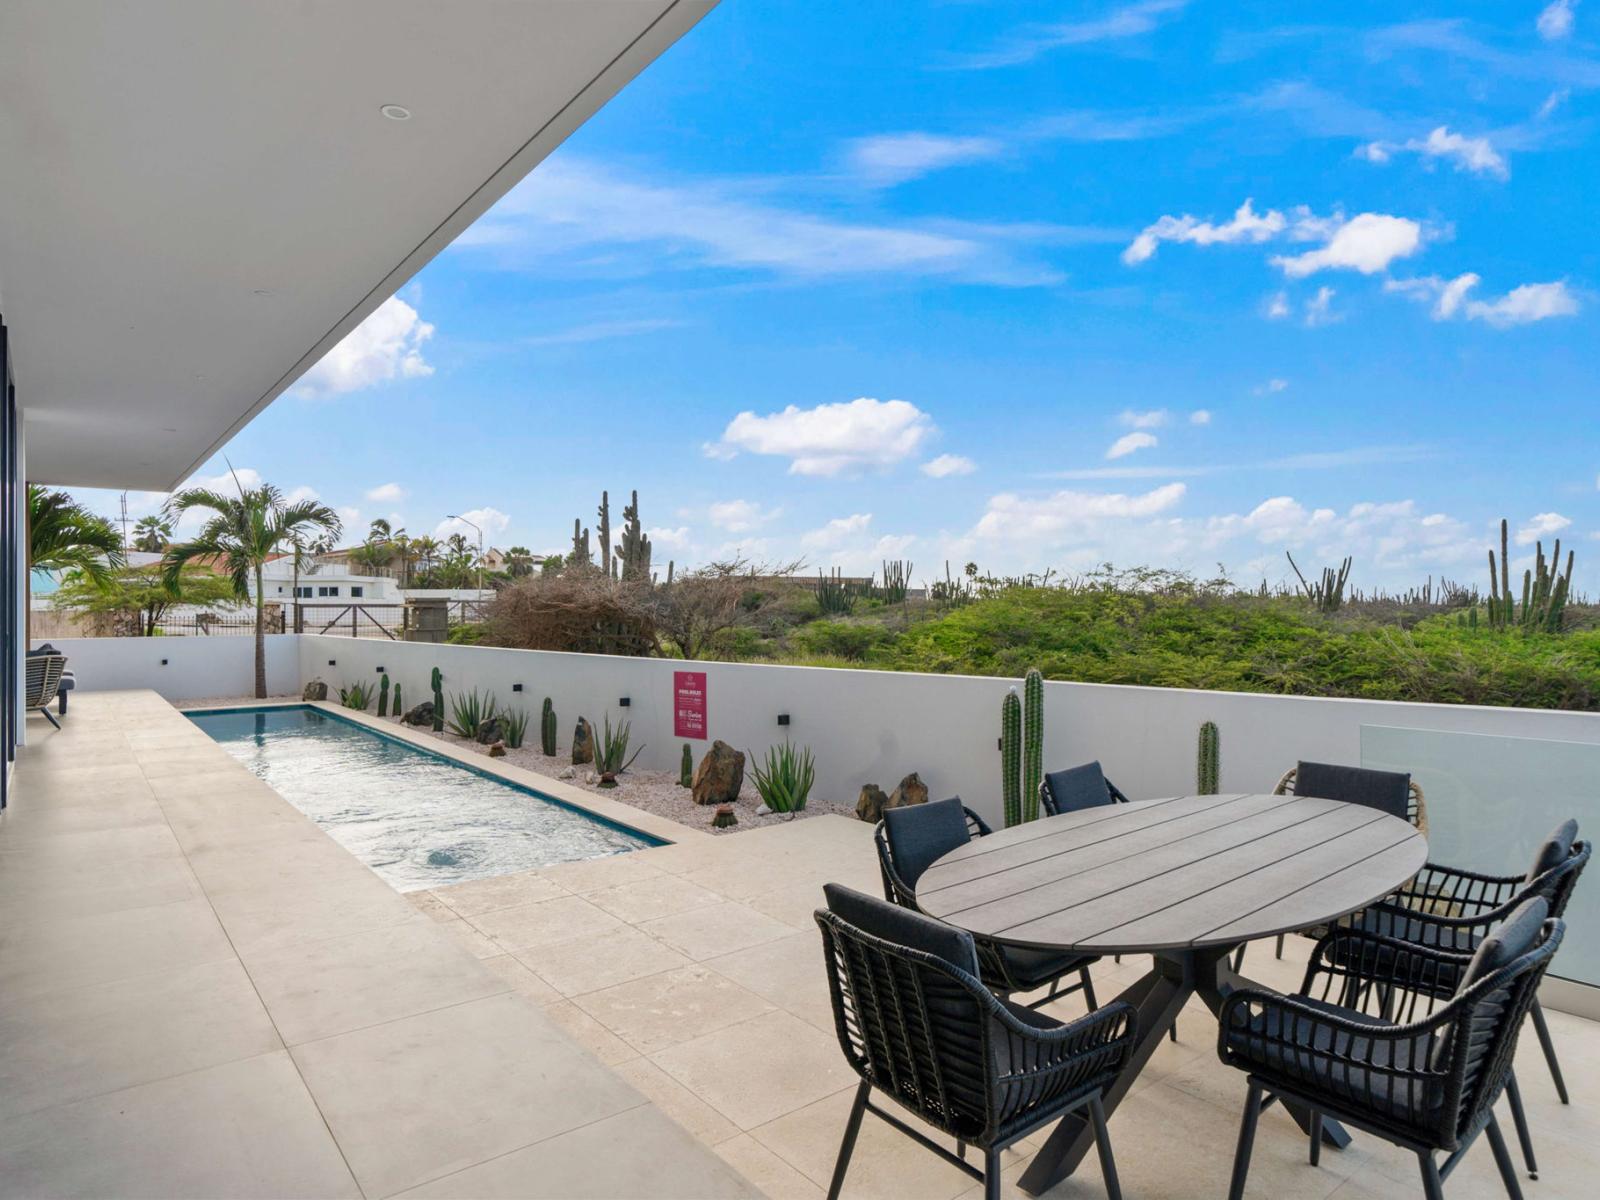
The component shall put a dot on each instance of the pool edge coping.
(612, 812)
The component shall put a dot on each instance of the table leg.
(1158, 996)
(1215, 987)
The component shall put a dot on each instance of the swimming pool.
(418, 819)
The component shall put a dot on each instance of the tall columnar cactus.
(383, 695)
(1032, 743)
(686, 768)
(438, 700)
(1011, 757)
(547, 728)
(634, 553)
(1208, 762)
(399, 705)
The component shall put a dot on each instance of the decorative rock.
(497, 750)
(724, 817)
(911, 790)
(872, 802)
(315, 690)
(568, 773)
(720, 775)
(421, 715)
(490, 732)
(582, 743)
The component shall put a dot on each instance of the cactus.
(724, 817)
(547, 728)
(1032, 743)
(603, 532)
(1208, 762)
(896, 580)
(438, 701)
(686, 769)
(581, 554)
(383, 695)
(1544, 589)
(399, 705)
(835, 597)
(1011, 757)
(634, 552)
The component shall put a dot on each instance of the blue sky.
(1032, 285)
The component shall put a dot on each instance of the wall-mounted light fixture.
(331, 663)
(163, 662)
(380, 670)
(624, 702)
(783, 718)
(516, 687)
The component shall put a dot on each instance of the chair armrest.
(1353, 967)
(1454, 893)
(1042, 1065)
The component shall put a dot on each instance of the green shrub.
(785, 779)
(854, 641)
(469, 712)
(358, 696)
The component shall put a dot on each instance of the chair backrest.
(912, 1019)
(913, 838)
(1555, 882)
(1075, 789)
(42, 679)
(1393, 792)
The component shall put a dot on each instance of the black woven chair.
(1368, 1041)
(1077, 788)
(916, 1023)
(1393, 792)
(1447, 908)
(912, 839)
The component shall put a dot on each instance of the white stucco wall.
(195, 668)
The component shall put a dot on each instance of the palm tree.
(241, 535)
(151, 534)
(519, 562)
(63, 535)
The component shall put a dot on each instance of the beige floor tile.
(246, 1129)
(524, 981)
(795, 905)
(590, 1034)
(776, 1178)
(676, 1006)
(61, 1046)
(660, 896)
(757, 1071)
(749, 875)
(499, 891)
(634, 1154)
(715, 929)
(529, 925)
(600, 960)
(322, 988)
(59, 954)
(595, 873)
(467, 936)
(677, 1101)
(475, 1081)
(432, 907)
(788, 972)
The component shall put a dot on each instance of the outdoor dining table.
(1185, 880)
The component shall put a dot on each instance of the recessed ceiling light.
(396, 112)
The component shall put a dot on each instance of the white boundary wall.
(196, 667)
(875, 726)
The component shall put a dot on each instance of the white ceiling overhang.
(199, 199)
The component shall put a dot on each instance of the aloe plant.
(469, 712)
(785, 780)
(514, 723)
(611, 752)
(358, 696)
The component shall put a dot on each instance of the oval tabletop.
(1185, 873)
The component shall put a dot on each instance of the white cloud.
(740, 516)
(946, 466)
(1028, 43)
(1473, 154)
(1200, 416)
(1552, 102)
(1153, 418)
(1367, 242)
(302, 493)
(833, 439)
(597, 331)
(1247, 226)
(838, 530)
(1067, 514)
(384, 347)
(891, 158)
(1319, 309)
(349, 516)
(1556, 20)
(226, 482)
(1541, 525)
(669, 539)
(1129, 442)
(720, 451)
(387, 493)
(1520, 306)
(1272, 387)
(1277, 306)
(491, 520)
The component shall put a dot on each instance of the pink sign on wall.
(689, 704)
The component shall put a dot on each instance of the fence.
(383, 621)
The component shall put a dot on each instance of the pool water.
(418, 819)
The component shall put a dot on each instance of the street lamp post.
(479, 528)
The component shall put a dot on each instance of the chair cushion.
(1035, 968)
(1078, 788)
(902, 926)
(1389, 791)
(47, 648)
(1514, 938)
(68, 682)
(1555, 849)
(921, 834)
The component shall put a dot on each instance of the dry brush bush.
(580, 611)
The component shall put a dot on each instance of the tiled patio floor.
(202, 997)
